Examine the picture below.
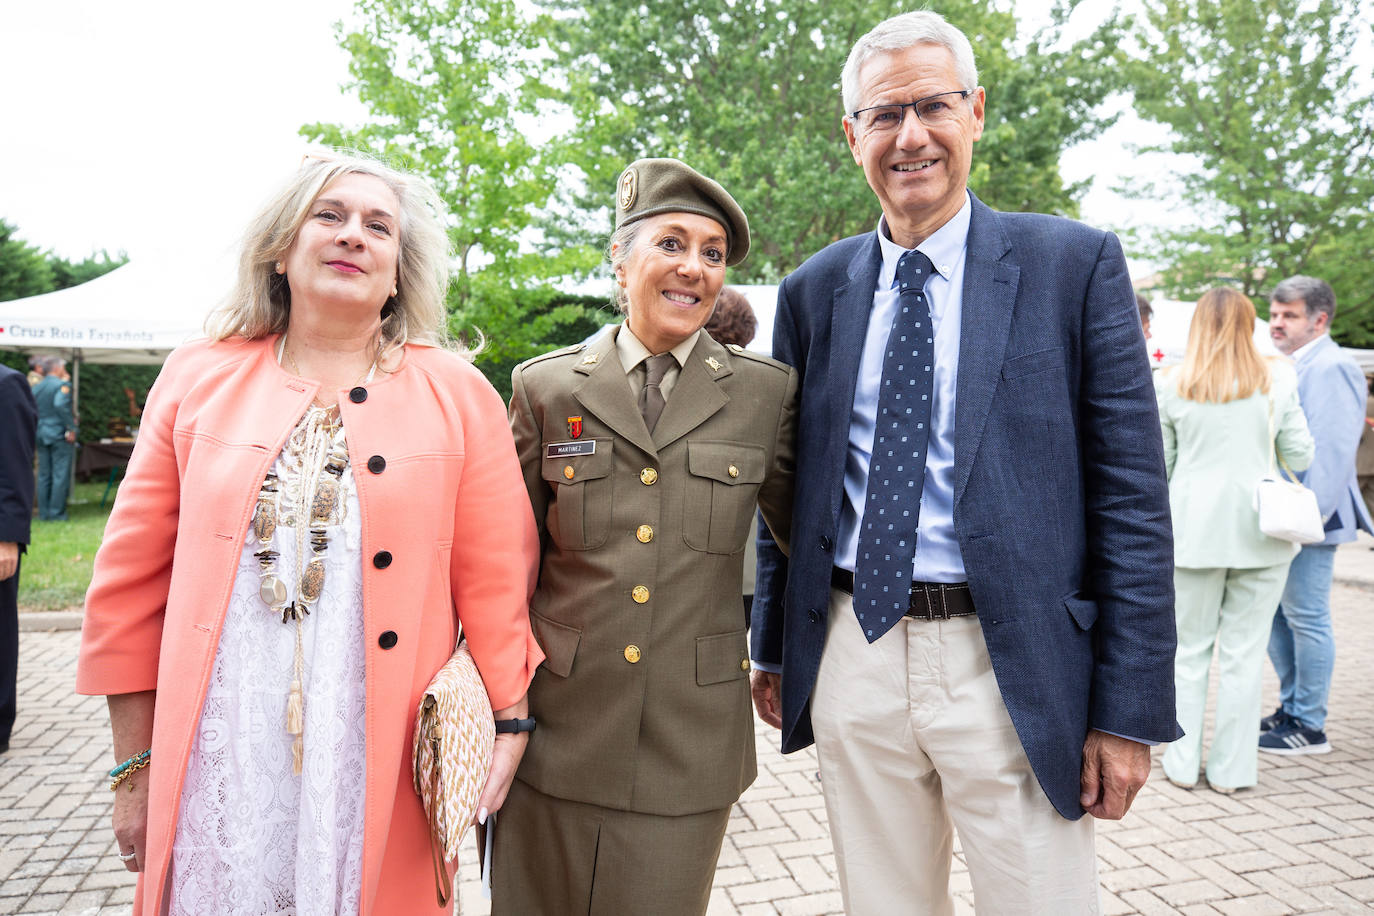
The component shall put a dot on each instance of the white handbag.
(1287, 509)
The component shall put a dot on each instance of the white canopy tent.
(134, 314)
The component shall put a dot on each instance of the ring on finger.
(127, 857)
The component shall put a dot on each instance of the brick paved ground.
(1301, 842)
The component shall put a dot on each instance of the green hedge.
(534, 327)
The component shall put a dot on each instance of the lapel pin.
(711, 361)
(590, 359)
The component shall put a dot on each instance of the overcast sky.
(156, 126)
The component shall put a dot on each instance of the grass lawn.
(57, 569)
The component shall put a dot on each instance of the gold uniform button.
(568, 472)
(648, 477)
(645, 533)
(744, 665)
(632, 654)
(733, 471)
(640, 594)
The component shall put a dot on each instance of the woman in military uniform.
(645, 453)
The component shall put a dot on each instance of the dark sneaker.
(1291, 739)
(1273, 720)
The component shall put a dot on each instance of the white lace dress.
(253, 836)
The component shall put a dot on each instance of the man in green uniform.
(56, 436)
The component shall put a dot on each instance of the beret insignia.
(629, 188)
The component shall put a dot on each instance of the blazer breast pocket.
(1032, 363)
(579, 513)
(722, 489)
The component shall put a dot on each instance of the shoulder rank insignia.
(715, 366)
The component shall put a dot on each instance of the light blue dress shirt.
(937, 551)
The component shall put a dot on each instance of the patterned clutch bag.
(454, 736)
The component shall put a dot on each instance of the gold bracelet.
(126, 773)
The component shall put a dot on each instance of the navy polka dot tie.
(896, 470)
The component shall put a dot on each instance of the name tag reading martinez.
(569, 449)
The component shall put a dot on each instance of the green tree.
(748, 92)
(24, 268)
(451, 86)
(1273, 117)
(73, 273)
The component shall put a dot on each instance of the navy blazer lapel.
(849, 313)
(991, 278)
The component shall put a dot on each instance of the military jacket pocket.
(579, 513)
(559, 642)
(722, 657)
(722, 489)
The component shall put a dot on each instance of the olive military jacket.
(643, 699)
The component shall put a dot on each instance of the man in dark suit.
(18, 419)
(975, 624)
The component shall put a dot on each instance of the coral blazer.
(447, 534)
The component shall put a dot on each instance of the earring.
(281, 268)
(393, 292)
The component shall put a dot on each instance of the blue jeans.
(1302, 645)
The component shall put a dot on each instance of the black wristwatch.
(506, 726)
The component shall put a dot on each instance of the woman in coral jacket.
(319, 495)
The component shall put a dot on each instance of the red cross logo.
(1158, 355)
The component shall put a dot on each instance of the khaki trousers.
(914, 740)
(554, 857)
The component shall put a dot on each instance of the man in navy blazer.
(1029, 665)
(1332, 389)
(18, 419)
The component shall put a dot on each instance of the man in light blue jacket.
(1332, 390)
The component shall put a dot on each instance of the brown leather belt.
(929, 600)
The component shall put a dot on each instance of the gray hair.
(51, 363)
(899, 33)
(260, 302)
(1316, 294)
(618, 252)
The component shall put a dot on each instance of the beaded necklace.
(312, 499)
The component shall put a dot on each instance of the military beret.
(649, 187)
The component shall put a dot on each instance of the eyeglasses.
(933, 111)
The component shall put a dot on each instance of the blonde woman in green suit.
(1215, 413)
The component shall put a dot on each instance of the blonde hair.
(1222, 362)
(260, 302)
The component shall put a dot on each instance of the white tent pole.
(76, 412)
